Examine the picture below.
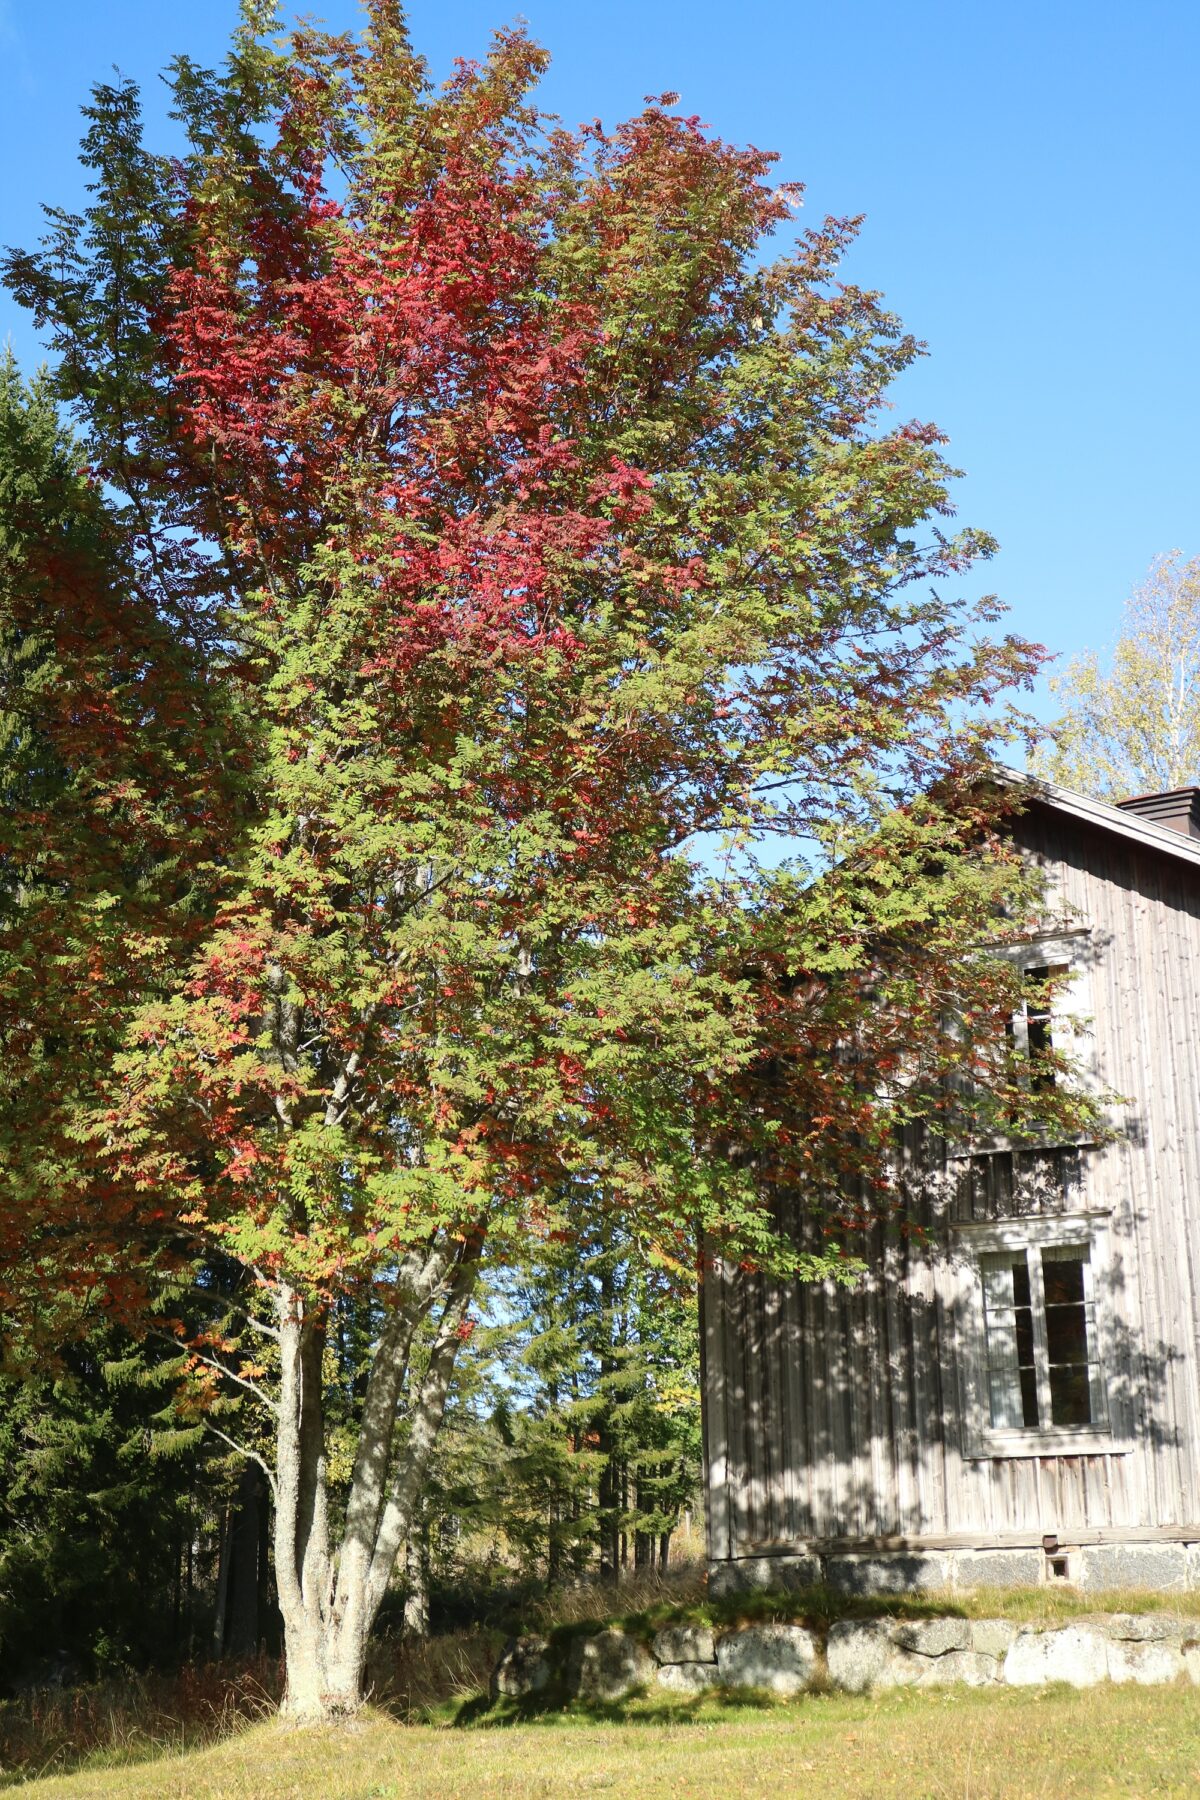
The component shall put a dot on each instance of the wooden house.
(1012, 1396)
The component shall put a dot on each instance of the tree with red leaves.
(558, 578)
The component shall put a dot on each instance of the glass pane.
(1007, 1403)
(1070, 1395)
(1063, 1276)
(1038, 1020)
(998, 1283)
(1069, 1334)
(1008, 1316)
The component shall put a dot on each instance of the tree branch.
(212, 1363)
(250, 1455)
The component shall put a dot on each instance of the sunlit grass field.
(963, 1744)
(208, 1732)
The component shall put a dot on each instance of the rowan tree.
(552, 556)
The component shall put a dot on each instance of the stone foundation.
(856, 1656)
(1160, 1568)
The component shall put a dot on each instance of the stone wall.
(1092, 1568)
(855, 1655)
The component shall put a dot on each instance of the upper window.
(1054, 1015)
(1036, 1335)
(1034, 1025)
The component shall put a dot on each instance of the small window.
(1039, 1021)
(1035, 1306)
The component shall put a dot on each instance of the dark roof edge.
(1099, 813)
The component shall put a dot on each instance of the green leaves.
(538, 577)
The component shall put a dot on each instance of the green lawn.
(960, 1744)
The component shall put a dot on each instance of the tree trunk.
(221, 1608)
(610, 1536)
(301, 1523)
(244, 1626)
(190, 1601)
(329, 1603)
(416, 1571)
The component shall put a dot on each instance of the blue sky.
(1029, 176)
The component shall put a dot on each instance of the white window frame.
(1070, 1031)
(971, 1243)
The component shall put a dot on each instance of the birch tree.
(1133, 727)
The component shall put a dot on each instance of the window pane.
(1020, 1283)
(1069, 1335)
(1008, 1318)
(1063, 1276)
(1004, 1393)
(1038, 1021)
(998, 1283)
(1070, 1395)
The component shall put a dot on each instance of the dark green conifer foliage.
(106, 1519)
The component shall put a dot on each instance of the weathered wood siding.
(835, 1415)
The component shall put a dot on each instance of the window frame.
(971, 1243)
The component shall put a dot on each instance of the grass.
(960, 1745)
(210, 1730)
(140, 1717)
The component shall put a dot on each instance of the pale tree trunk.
(329, 1597)
(302, 1567)
(416, 1601)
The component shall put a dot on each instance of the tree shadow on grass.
(494, 1712)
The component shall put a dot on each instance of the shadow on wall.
(849, 1410)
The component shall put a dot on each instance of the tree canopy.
(526, 571)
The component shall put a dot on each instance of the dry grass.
(682, 1588)
(134, 1718)
(159, 1715)
(158, 1720)
(410, 1680)
(947, 1746)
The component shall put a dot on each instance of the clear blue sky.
(1029, 173)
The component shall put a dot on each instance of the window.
(1034, 1027)
(1059, 1022)
(1045, 1021)
(1035, 1315)
(1042, 1351)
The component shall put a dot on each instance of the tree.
(1136, 729)
(600, 1411)
(106, 823)
(536, 534)
(78, 1483)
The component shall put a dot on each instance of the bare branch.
(243, 1450)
